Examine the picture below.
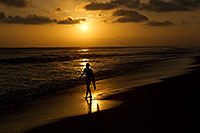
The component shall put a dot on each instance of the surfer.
(89, 77)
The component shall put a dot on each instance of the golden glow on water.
(83, 62)
(83, 50)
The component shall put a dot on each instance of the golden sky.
(58, 23)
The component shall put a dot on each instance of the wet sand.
(168, 105)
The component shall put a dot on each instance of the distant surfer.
(89, 77)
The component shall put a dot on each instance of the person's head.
(87, 65)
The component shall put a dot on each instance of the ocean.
(29, 72)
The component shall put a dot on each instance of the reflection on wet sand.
(93, 105)
(98, 103)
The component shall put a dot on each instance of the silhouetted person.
(89, 77)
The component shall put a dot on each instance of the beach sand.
(167, 105)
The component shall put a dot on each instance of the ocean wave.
(16, 96)
(34, 60)
(47, 59)
(103, 55)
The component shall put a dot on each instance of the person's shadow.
(89, 103)
(94, 120)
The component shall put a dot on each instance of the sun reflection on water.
(83, 50)
(83, 63)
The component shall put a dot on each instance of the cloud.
(163, 6)
(59, 9)
(30, 19)
(71, 21)
(170, 5)
(2, 16)
(100, 6)
(135, 4)
(36, 20)
(112, 4)
(16, 3)
(129, 16)
(159, 24)
(189, 3)
(151, 5)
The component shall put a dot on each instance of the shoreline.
(158, 107)
(15, 100)
(31, 84)
(19, 100)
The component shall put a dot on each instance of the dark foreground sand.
(164, 107)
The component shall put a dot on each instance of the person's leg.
(87, 90)
(90, 92)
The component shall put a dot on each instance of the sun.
(84, 27)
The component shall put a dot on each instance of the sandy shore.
(166, 106)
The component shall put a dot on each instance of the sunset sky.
(58, 23)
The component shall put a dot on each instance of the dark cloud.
(152, 5)
(132, 4)
(100, 6)
(71, 21)
(129, 16)
(2, 16)
(172, 5)
(159, 24)
(163, 6)
(112, 4)
(59, 9)
(30, 19)
(189, 3)
(16, 3)
(36, 20)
